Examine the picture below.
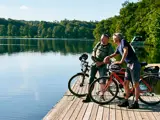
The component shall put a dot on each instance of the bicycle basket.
(153, 70)
(115, 68)
(152, 80)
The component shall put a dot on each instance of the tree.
(58, 31)
(44, 33)
(9, 29)
(62, 29)
(3, 30)
(32, 31)
(14, 30)
(25, 30)
(49, 32)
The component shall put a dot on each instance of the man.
(100, 51)
(133, 68)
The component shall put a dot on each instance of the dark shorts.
(132, 72)
(102, 72)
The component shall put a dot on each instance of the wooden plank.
(77, 110)
(62, 111)
(74, 87)
(144, 115)
(55, 109)
(130, 112)
(131, 115)
(100, 113)
(118, 113)
(137, 115)
(82, 89)
(154, 114)
(68, 92)
(88, 111)
(156, 111)
(124, 113)
(85, 89)
(106, 113)
(112, 112)
(82, 111)
(94, 112)
(151, 116)
(71, 110)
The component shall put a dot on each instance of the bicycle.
(78, 84)
(114, 83)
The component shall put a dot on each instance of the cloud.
(23, 7)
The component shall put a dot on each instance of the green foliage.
(62, 29)
(3, 30)
(141, 18)
(58, 31)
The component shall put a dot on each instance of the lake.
(34, 73)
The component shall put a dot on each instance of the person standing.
(100, 51)
(132, 71)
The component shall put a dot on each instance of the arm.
(107, 59)
(125, 53)
(112, 55)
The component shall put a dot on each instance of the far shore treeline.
(141, 18)
(43, 29)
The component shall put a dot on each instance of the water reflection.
(144, 53)
(32, 81)
(63, 46)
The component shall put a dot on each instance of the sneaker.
(88, 99)
(134, 105)
(124, 103)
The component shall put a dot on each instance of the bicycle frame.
(119, 80)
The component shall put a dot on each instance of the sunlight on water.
(33, 79)
(34, 74)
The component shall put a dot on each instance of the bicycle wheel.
(110, 93)
(121, 92)
(149, 90)
(78, 84)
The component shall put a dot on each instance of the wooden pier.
(71, 107)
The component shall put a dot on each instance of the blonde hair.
(119, 35)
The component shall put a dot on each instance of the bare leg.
(102, 88)
(126, 88)
(136, 86)
(125, 102)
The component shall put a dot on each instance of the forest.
(134, 19)
(43, 29)
(141, 18)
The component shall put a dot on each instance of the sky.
(57, 10)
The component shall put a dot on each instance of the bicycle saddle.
(114, 67)
(83, 56)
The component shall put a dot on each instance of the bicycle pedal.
(102, 97)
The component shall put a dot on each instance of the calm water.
(34, 74)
